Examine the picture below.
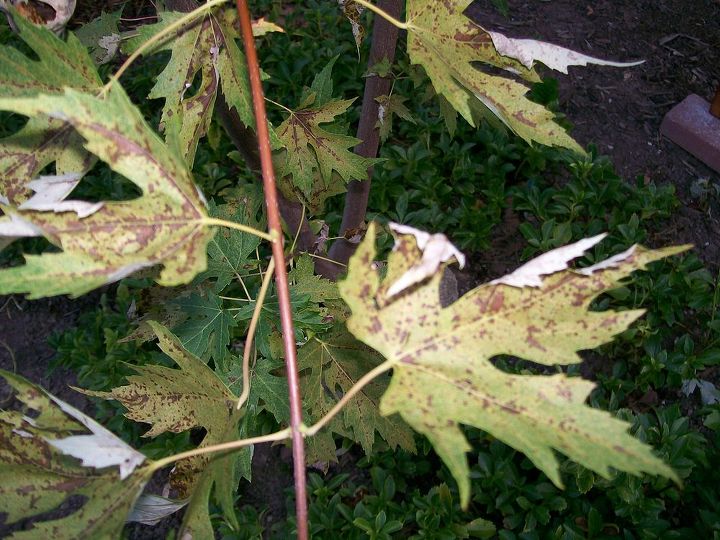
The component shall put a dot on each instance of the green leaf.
(204, 48)
(229, 251)
(447, 44)
(390, 106)
(176, 400)
(306, 282)
(43, 140)
(163, 226)
(443, 377)
(38, 478)
(330, 366)
(206, 332)
(313, 154)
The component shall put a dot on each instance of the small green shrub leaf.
(443, 377)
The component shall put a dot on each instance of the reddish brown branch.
(281, 281)
(384, 43)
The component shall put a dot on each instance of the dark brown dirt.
(620, 109)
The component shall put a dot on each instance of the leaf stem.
(157, 37)
(239, 227)
(251, 332)
(232, 445)
(385, 15)
(284, 433)
(362, 382)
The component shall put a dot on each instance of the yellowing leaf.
(165, 225)
(177, 400)
(204, 48)
(37, 477)
(443, 377)
(43, 140)
(447, 44)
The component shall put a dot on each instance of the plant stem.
(384, 43)
(384, 14)
(251, 332)
(364, 380)
(232, 445)
(281, 281)
(284, 433)
(157, 37)
(239, 227)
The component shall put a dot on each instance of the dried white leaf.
(102, 449)
(64, 10)
(50, 193)
(436, 249)
(529, 274)
(110, 44)
(14, 226)
(529, 51)
(610, 262)
(150, 509)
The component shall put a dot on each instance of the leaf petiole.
(239, 227)
(251, 332)
(232, 445)
(283, 433)
(389, 18)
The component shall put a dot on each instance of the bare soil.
(620, 110)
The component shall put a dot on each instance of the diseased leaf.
(165, 225)
(448, 44)
(43, 140)
(37, 477)
(353, 13)
(176, 400)
(443, 377)
(204, 48)
(329, 365)
(313, 154)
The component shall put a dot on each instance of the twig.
(384, 43)
(281, 281)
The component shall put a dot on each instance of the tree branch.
(384, 44)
